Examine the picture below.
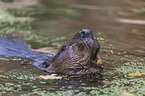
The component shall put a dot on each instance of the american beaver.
(79, 55)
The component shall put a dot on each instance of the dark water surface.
(102, 17)
(58, 21)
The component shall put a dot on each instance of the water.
(58, 21)
(102, 20)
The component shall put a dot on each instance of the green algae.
(10, 87)
(2, 58)
(17, 29)
(122, 87)
(22, 29)
(20, 81)
(45, 93)
(19, 75)
(14, 28)
(132, 66)
(25, 12)
(16, 81)
(118, 87)
(6, 16)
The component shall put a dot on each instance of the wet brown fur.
(77, 55)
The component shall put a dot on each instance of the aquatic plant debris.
(136, 74)
(111, 50)
(102, 41)
(52, 76)
(6, 16)
(132, 67)
(127, 94)
(99, 61)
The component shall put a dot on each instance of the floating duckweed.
(19, 75)
(17, 29)
(43, 82)
(21, 28)
(81, 94)
(26, 94)
(132, 66)
(120, 86)
(10, 87)
(57, 93)
(9, 84)
(6, 16)
(10, 58)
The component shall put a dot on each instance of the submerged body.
(78, 55)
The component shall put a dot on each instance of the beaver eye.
(62, 48)
(81, 47)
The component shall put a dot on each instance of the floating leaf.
(136, 74)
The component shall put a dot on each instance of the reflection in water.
(99, 16)
(78, 81)
(131, 21)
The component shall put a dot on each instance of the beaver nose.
(85, 31)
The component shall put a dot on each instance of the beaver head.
(78, 55)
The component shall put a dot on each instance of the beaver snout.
(85, 33)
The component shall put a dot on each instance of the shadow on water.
(55, 22)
